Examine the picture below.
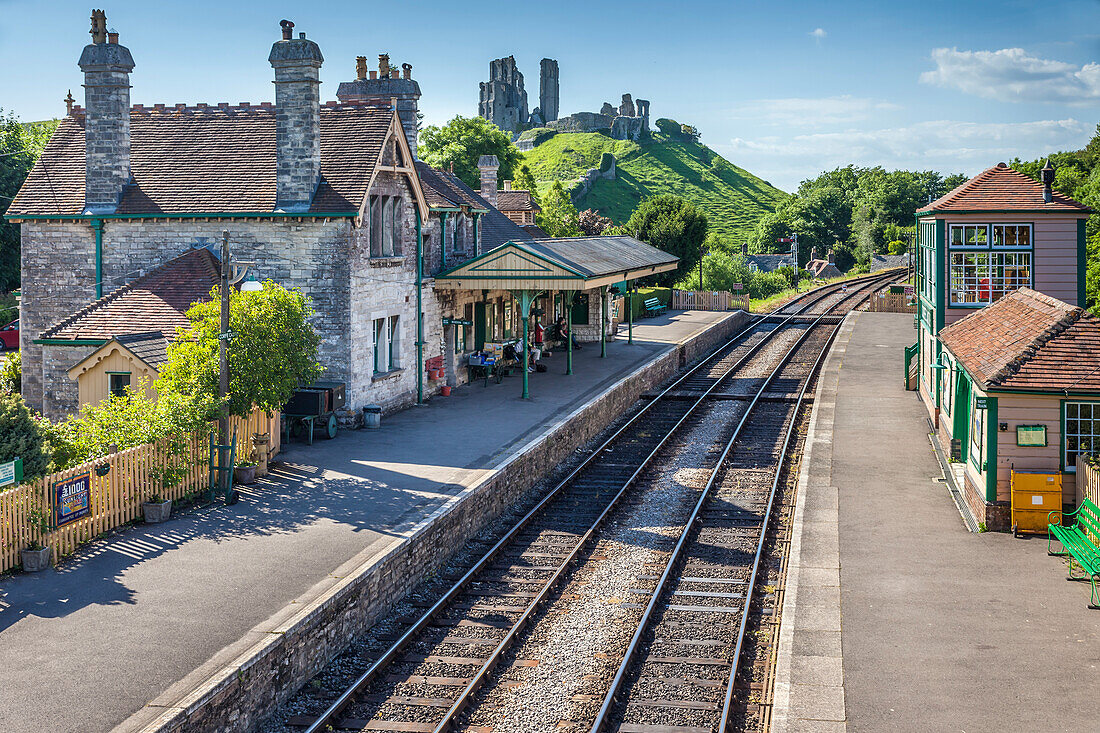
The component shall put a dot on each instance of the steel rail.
(338, 706)
(612, 694)
(727, 704)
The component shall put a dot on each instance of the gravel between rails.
(579, 639)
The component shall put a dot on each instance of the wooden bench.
(653, 307)
(1079, 541)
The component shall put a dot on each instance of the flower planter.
(156, 511)
(244, 474)
(445, 391)
(35, 560)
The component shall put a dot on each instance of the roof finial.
(69, 102)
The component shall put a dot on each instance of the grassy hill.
(732, 198)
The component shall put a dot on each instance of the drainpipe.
(419, 311)
(97, 225)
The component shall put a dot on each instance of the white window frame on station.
(1072, 432)
(974, 257)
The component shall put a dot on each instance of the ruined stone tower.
(106, 66)
(548, 90)
(297, 63)
(503, 100)
(381, 87)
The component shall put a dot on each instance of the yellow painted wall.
(92, 376)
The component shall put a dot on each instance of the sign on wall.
(73, 498)
(980, 403)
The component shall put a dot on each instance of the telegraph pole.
(223, 357)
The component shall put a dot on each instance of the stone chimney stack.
(1048, 182)
(380, 87)
(106, 66)
(489, 165)
(297, 63)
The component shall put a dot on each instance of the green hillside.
(732, 198)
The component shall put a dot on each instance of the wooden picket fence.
(885, 302)
(117, 495)
(709, 300)
(1088, 480)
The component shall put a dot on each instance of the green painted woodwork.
(960, 428)
(70, 342)
(1078, 540)
(479, 326)
(97, 225)
(990, 449)
(939, 280)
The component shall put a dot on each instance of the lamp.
(251, 285)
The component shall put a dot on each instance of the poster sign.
(979, 403)
(11, 472)
(73, 498)
(737, 286)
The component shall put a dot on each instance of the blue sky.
(784, 89)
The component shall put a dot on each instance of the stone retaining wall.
(249, 688)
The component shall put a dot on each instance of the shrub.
(22, 436)
(668, 127)
(606, 161)
(591, 223)
(11, 373)
(766, 284)
(897, 247)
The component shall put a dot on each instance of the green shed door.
(479, 326)
(961, 428)
(580, 309)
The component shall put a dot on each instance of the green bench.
(653, 307)
(1079, 541)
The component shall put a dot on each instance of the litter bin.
(372, 417)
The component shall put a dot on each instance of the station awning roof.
(577, 263)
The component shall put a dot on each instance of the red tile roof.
(1001, 188)
(194, 160)
(1029, 341)
(156, 302)
(515, 199)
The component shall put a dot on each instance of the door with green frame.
(961, 427)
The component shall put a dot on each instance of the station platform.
(896, 616)
(135, 623)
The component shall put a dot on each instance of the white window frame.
(380, 346)
(986, 260)
(394, 343)
(1076, 433)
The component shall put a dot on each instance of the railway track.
(430, 674)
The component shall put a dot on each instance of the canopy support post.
(603, 321)
(630, 313)
(567, 306)
(526, 297)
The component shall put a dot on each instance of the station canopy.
(577, 263)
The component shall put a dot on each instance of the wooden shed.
(124, 361)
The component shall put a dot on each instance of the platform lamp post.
(229, 276)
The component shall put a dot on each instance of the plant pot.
(35, 560)
(156, 511)
(445, 391)
(244, 474)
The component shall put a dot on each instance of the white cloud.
(813, 111)
(1012, 75)
(818, 34)
(944, 145)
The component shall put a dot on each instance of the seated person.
(561, 330)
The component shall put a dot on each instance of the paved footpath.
(898, 618)
(84, 646)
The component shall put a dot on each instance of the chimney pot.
(507, 185)
(1047, 175)
(99, 26)
(373, 74)
(69, 102)
(288, 29)
(112, 36)
(302, 36)
(408, 69)
(360, 67)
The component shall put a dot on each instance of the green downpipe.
(419, 311)
(97, 225)
(991, 430)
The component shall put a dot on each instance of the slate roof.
(1001, 188)
(151, 347)
(768, 263)
(515, 199)
(203, 159)
(597, 256)
(443, 189)
(887, 262)
(823, 268)
(1029, 341)
(155, 302)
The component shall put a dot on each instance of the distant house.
(823, 269)
(517, 204)
(765, 263)
(889, 262)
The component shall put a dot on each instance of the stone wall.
(251, 687)
(581, 122)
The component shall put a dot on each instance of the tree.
(462, 141)
(559, 216)
(674, 225)
(525, 181)
(20, 146)
(21, 436)
(591, 223)
(272, 352)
